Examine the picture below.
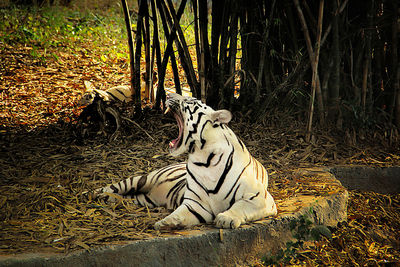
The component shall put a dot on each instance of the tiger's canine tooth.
(167, 110)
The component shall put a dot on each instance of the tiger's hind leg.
(128, 188)
(164, 187)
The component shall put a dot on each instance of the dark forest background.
(336, 60)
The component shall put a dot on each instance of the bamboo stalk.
(203, 46)
(262, 56)
(314, 58)
(232, 56)
(368, 54)
(138, 54)
(168, 53)
(395, 65)
(146, 37)
(183, 49)
(130, 43)
(196, 32)
(156, 49)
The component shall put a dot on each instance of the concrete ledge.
(380, 180)
(211, 247)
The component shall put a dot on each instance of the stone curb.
(210, 247)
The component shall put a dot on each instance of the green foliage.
(303, 229)
(58, 27)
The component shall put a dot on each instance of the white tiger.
(221, 182)
(121, 93)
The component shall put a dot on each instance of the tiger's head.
(89, 96)
(196, 122)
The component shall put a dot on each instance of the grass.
(49, 28)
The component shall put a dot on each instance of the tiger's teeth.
(167, 110)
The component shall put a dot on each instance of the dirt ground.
(45, 166)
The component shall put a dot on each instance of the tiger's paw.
(169, 223)
(225, 220)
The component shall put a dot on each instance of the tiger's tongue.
(174, 143)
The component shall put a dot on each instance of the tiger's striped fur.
(221, 182)
(119, 93)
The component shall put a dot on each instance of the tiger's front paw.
(226, 220)
(169, 223)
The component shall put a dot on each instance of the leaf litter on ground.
(44, 170)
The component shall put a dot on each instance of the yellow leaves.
(82, 245)
(3, 200)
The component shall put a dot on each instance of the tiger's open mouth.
(175, 143)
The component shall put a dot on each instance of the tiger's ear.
(223, 116)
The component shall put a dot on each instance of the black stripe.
(174, 197)
(197, 215)
(227, 140)
(202, 140)
(233, 199)
(219, 160)
(237, 179)
(187, 108)
(180, 201)
(256, 195)
(221, 180)
(142, 181)
(207, 164)
(176, 177)
(164, 170)
(122, 93)
(172, 170)
(125, 184)
(189, 189)
(132, 191)
(197, 182)
(114, 189)
(175, 187)
(149, 200)
(201, 206)
(195, 125)
(113, 96)
(241, 143)
(191, 146)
